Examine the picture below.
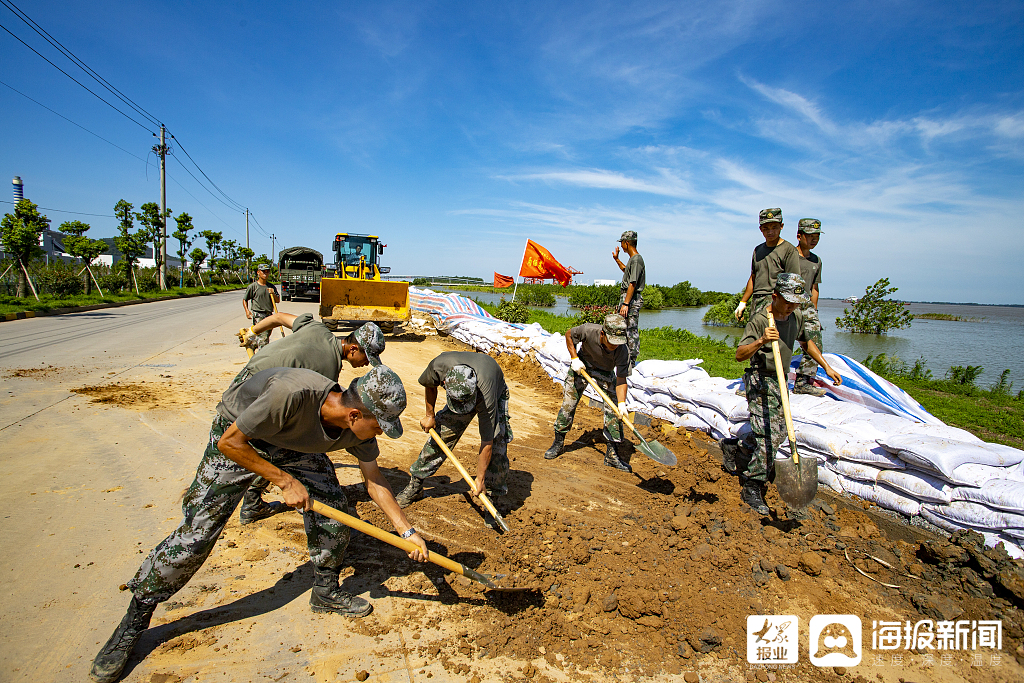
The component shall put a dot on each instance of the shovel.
(469, 480)
(652, 449)
(402, 544)
(796, 480)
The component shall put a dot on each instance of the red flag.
(502, 281)
(538, 262)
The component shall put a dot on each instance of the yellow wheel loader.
(354, 291)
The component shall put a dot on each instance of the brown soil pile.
(139, 396)
(37, 373)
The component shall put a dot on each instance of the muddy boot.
(730, 449)
(412, 492)
(806, 387)
(557, 447)
(254, 508)
(611, 458)
(327, 596)
(110, 662)
(753, 496)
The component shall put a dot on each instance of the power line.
(258, 226)
(145, 161)
(237, 206)
(77, 213)
(75, 80)
(78, 62)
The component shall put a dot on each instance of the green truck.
(300, 270)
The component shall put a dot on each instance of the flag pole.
(516, 288)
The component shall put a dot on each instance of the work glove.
(248, 339)
(622, 410)
(577, 365)
(739, 309)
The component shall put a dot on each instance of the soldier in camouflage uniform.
(808, 234)
(601, 352)
(764, 399)
(634, 279)
(263, 297)
(474, 387)
(279, 424)
(773, 256)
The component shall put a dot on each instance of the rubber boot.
(753, 496)
(803, 386)
(254, 508)
(327, 596)
(557, 447)
(611, 458)
(413, 491)
(111, 660)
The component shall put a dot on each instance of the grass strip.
(47, 302)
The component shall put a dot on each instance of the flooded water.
(995, 342)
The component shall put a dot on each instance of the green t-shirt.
(310, 345)
(281, 407)
(791, 330)
(635, 274)
(587, 340)
(767, 262)
(490, 386)
(810, 269)
(262, 301)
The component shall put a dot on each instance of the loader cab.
(357, 256)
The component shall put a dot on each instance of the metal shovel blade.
(657, 452)
(797, 482)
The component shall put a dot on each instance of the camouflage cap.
(382, 392)
(371, 341)
(809, 226)
(792, 288)
(460, 388)
(628, 236)
(770, 216)
(263, 266)
(615, 328)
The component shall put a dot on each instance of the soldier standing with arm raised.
(634, 279)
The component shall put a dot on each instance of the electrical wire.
(77, 213)
(239, 207)
(142, 126)
(78, 62)
(259, 228)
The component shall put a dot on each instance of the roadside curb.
(22, 315)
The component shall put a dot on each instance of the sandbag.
(855, 470)
(976, 475)
(976, 515)
(665, 368)
(871, 454)
(944, 455)
(1002, 494)
(829, 441)
(891, 499)
(918, 485)
(691, 421)
(828, 479)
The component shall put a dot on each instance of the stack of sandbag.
(870, 438)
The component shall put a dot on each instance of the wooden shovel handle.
(608, 402)
(783, 390)
(465, 474)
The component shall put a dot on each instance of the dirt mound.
(38, 373)
(138, 396)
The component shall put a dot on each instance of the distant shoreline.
(945, 303)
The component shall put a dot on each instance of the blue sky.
(457, 130)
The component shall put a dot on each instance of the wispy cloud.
(665, 183)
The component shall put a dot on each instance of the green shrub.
(420, 282)
(535, 295)
(60, 281)
(1002, 387)
(113, 282)
(512, 312)
(654, 298)
(593, 295)
(721, 314)
(874, 314)
(964, 375)
(593, 314)
(893, 367)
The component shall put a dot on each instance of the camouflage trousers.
(263, 338)
(572, 393)
(633, 329)
(767, 423)
(812, 329)
(758, 304)
(451, 426)
(213, 497)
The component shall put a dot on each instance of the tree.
(20, 233)
(213, 244)
(197, 256)
(132, 245)
(153, 223)
(246, 254)
(874, 314)
(184, 223)
(80, 246)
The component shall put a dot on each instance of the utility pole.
(273, 244)
(161, 151)
(248, 264)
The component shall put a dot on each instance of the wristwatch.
(409, 532)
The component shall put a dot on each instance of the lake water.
(996, 342)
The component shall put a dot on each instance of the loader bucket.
(364, 300)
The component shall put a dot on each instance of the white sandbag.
(720, 426)
(785, 452)
(856, 488)
(871, 454)
(867, 430)
(1002, 494)
(830, 411)
(917, 484)
(854, 470)
(942, 431)
(665, 368)
(740, 430)
(945, 455)
(691, 421)
(829, 441)
(828, 478)
(891, 499)
(1017, 534)
(974, 475)
(665, 414)
(729, 405)
(976, 515)
(1012, 546)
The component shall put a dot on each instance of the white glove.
(622, 410)
(740, 309)
(576, 365)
